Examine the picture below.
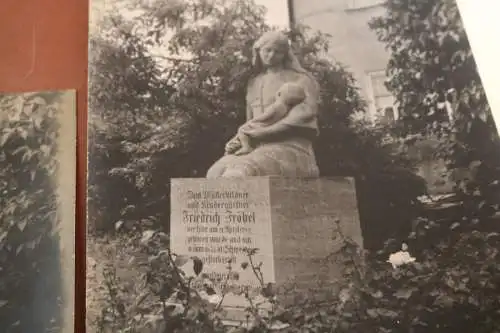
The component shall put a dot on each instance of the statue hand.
(232, 146)
(257, 132)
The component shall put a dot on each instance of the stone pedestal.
(292, 223)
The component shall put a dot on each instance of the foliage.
(167, 300)
(178, 296)
(167, 91)
(444, 288)
(434, 77)
(449, 288)
(190, 102)
(28, 241)
(387, 187)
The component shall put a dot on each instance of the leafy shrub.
(28, 241)
(450, 287)
(442, 288)
(157, 283)
(433, 74)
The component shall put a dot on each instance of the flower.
(401, 257)
(212, 299)
(175, 307)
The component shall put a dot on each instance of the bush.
(432, 72)
(448, 287)
(29, 247)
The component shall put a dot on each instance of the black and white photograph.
(289, 166)
(37, 216)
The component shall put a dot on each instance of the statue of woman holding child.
(282, 118)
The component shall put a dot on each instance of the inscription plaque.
(292, 223)
(218, 221)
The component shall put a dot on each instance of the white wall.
(353, 44)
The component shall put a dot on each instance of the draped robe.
(288, 153)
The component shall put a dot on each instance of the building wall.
(353, 44)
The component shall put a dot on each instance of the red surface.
(43, 46)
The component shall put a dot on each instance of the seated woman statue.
(284, 147)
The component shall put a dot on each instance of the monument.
(292, 223)
(269, 196)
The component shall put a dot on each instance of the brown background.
(43, 46)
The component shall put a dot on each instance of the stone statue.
(288, 96)
(277, 138)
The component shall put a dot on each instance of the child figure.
(289, 95)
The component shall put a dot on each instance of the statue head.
(273, 49)
(291, 93)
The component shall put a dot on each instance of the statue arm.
(234, 143)
(273, 111)
(249, 113)
(265, 131)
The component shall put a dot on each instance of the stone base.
(292, 223)
(305, 233)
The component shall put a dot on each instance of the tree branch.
(174, 59)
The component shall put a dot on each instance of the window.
(359, 4)
(382, 99)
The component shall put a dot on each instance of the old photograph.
(37, 217)
(289, 166)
